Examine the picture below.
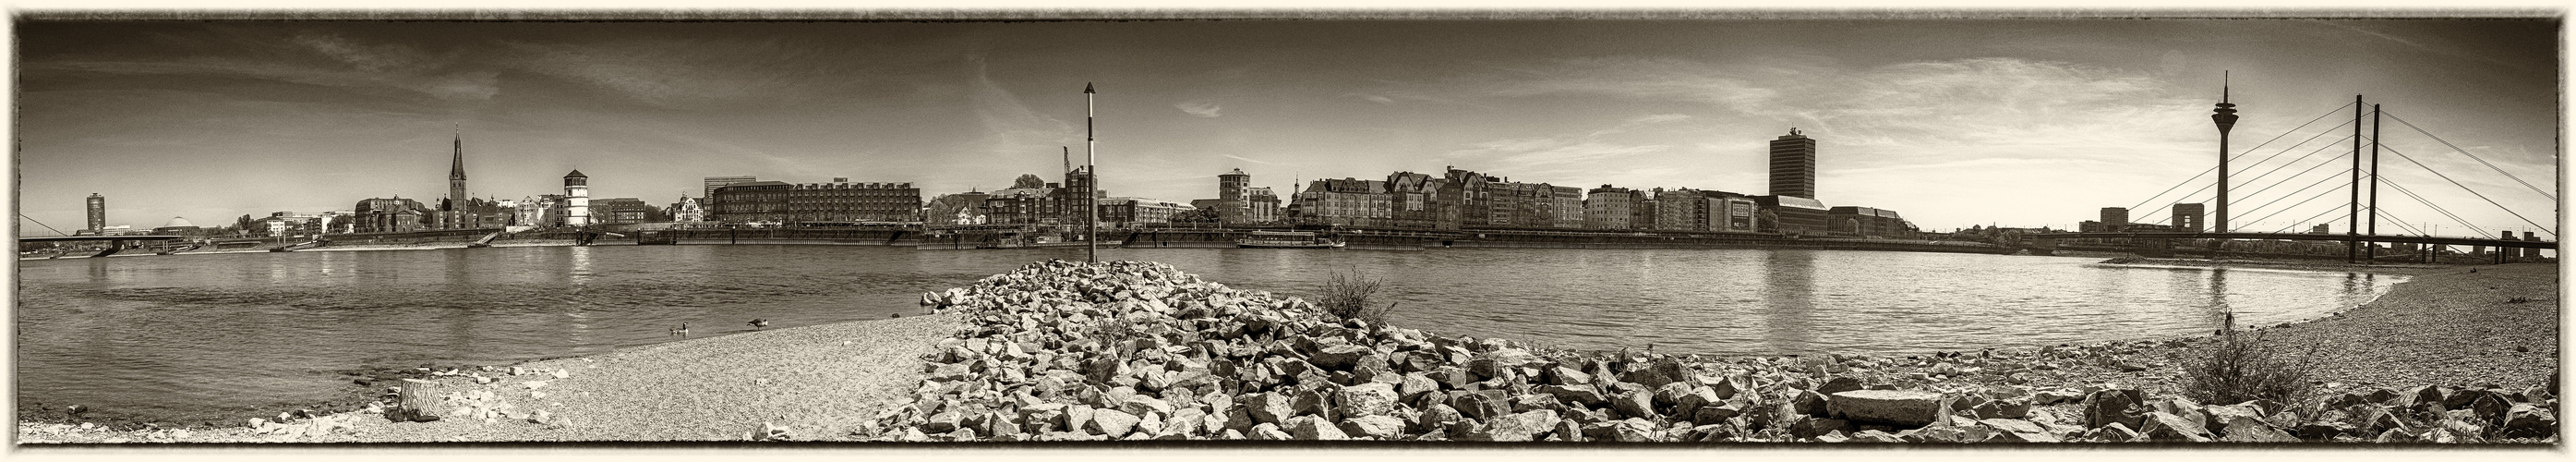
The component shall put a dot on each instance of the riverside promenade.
(1129, 351)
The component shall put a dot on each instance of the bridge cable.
(2463, 187)
(2392, 219)
(2311, 168)
(2456, 148)
(2300, 190)
(2392, 185)
(2292, 194)
(2248, 151)
(2284, 150)
(39, 223)
(2320, 194)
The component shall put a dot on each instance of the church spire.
(456, 174)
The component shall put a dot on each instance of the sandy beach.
(2446, 326)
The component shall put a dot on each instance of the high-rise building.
(2115, 219)
(1793, 165)
(714, 182)
(576, 199)
(1230, 196)
(97, 213)
(2187, 218)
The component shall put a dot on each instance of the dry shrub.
(2242, 367)
(1347, 296)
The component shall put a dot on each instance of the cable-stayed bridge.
(2310, 191)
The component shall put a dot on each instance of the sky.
(1952, 123)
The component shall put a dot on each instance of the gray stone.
(1112, 423)
(1140, 405)
(1438, 416)
(1314, 428)
(1367, 400)
(1267, 431)
(1809, 402)
(2524, 420)
(1810, 428)
(1340, 357)
(1659, 372)
(1270, 407)
(1838, 385)
(1483, 405)
(1415, 385)
(1561, 375)
(2162, 426)
(1525, 426)
(1710, 415)
(1636, 404)
(1374, 426)
(1901, 408)
(1584, 394)
(2121, 406)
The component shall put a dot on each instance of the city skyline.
(2015, 122)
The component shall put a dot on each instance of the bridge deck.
(2436, 240)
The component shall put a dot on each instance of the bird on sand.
(758, 323)
(682, 330)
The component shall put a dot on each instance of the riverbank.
(809, 386)
(2301, 265)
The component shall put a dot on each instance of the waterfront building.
(1679, 210)
(1230, 206)
(1792, 214)
(1468, 193)
(97, 214)
(2115, 218)
(1564, 205)
(540, 210)
(2089, 226)
(1348, 202)
(843, 202)
(966, 208)
(1731, 212)
(620, 210)
(177, 226)
(1026, 206)
(2187, 216)
(576, 199)
(1869, 222)
(1128, 211)
(1070, 199)
(1793, 166)
(1414, 201)
(715, 182)
(752, 202)
(1260, 205)
(1609, 207)
(687, 211)
(380, 215)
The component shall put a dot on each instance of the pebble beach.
(1137, 351)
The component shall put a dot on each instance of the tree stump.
(418, 401)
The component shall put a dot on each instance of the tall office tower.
(1793, 165)
(1230, 197)
(97, 213)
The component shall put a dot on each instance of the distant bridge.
(99, 238)
(2388, 238)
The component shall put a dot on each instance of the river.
(224, 337)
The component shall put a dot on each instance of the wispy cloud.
(1201, 108)
(1241, 158)
(1011, 128)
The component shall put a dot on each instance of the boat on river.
(1287, 240)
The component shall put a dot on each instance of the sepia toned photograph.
(1073, 229)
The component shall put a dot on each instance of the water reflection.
(1788, 288)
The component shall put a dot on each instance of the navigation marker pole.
(1091, 169)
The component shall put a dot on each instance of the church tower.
(456, 176)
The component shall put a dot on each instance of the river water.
(224, 337)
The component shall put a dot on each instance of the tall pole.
(2225, 116)
(1090, 169)
(2373, 252)
(2352, 209)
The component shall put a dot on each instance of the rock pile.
(1061, 351)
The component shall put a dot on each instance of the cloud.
(469, 85)
(1011, 128)
(1201, 108)
(1235, 157)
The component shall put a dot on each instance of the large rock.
(2120, 406)
(1270, 407)
(1733, 386)
(1659, 372)
(1112, 423)
(1483, 405)
(1438, 416)
(1809, 402)
(2524, 420)
(1525, 426)
(1374, 426)
(1584, 394)
(1635, 404)
(1839, 385)
(1340, 357)
(1366, 400)
(2162, 426)
(1561, 375)
(1315, 428)
(1894, 407)
(2019, 431)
